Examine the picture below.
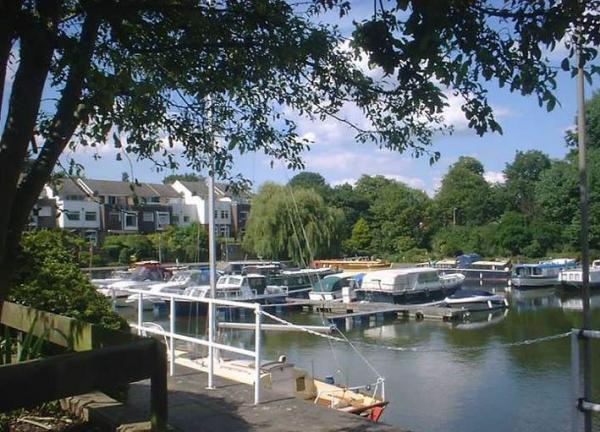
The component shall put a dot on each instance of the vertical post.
(257, 360)
(575, 382)
(172, 339)
(113, 298)
(585, 252)
(158, 389)
(140, 314)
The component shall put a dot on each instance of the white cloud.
(494, 177)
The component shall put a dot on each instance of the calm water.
(524, 388)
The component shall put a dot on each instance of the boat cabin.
(335, 283)
(499, 265)
(396, 280)
(256, 283)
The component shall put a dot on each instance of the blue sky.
(339, 159)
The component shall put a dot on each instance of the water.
(498, 388)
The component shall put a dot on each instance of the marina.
(420, 357)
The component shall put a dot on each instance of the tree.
(172, 178)
(465, 197)
(310, 180)
(292, 224)
(513, 233)
(521, 177)
(158, 74)
(360, 241)
(592, 124)
(184, 244)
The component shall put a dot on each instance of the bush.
(48, 277)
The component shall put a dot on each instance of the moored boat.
(354, 264)
(475, 300)
(413, 285)
(542, 274)
(574, 277)
(331, 288)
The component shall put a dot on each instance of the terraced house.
(95, 208)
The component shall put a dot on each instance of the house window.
(154, 199)
(112, 200)
(114, 216)
(224, 214)
(223, 231)
(73, 215)
(243, 215)
(148, 216)
(162, 219)
(90, 216)
(131, 220)
(186, 219)
(75, 198)
(91, 237)
(44, 212)
(216, 214)
(175, 219)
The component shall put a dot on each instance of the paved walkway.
(230, 408)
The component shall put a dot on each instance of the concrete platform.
(230, 408)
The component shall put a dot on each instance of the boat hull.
(406, 297)
(534, 282)
(478, 303)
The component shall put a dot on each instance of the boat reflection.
(523, 300)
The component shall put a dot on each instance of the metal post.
(257, 343)
(576, 414)
(140, 312)
(113, 298)
(172, 339)
(585, 253)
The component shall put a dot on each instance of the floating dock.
(337, 312)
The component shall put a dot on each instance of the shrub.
(48, 277)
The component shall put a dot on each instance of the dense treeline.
(533, 213)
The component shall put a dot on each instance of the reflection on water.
(496, 388)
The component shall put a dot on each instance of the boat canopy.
(333, 283)
(398, 279)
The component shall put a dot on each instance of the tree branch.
(63, 126)
(8, 12)
(36, 46)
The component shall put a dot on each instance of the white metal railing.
(172, 335)
(580, 405)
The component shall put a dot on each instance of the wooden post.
(158, 389)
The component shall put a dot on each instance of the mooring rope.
(416, 349)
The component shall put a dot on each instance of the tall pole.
(585, 252)
(212, 259)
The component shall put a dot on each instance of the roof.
(165, 191)
(118, 188)
(196, 188)
(68, 186)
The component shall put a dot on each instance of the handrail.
(172, 335)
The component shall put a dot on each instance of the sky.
(337, 156)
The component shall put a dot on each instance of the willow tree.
(145, 75)
(289, 223)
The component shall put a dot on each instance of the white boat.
(142, 276)
(176, 285)
(475, 300)
(288, 380)
(251, 288)
(543, 274)
(414, 285)
(573, 277)
(331, 287)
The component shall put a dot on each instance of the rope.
(416, 349)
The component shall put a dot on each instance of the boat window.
(257, 284)
(233, 280)
(143, 273)
(428, 277)
(300, 384)
(330, 284)
(537, 271)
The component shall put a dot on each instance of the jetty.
(340, 311)
(227, 407)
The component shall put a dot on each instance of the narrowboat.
(543, 274)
